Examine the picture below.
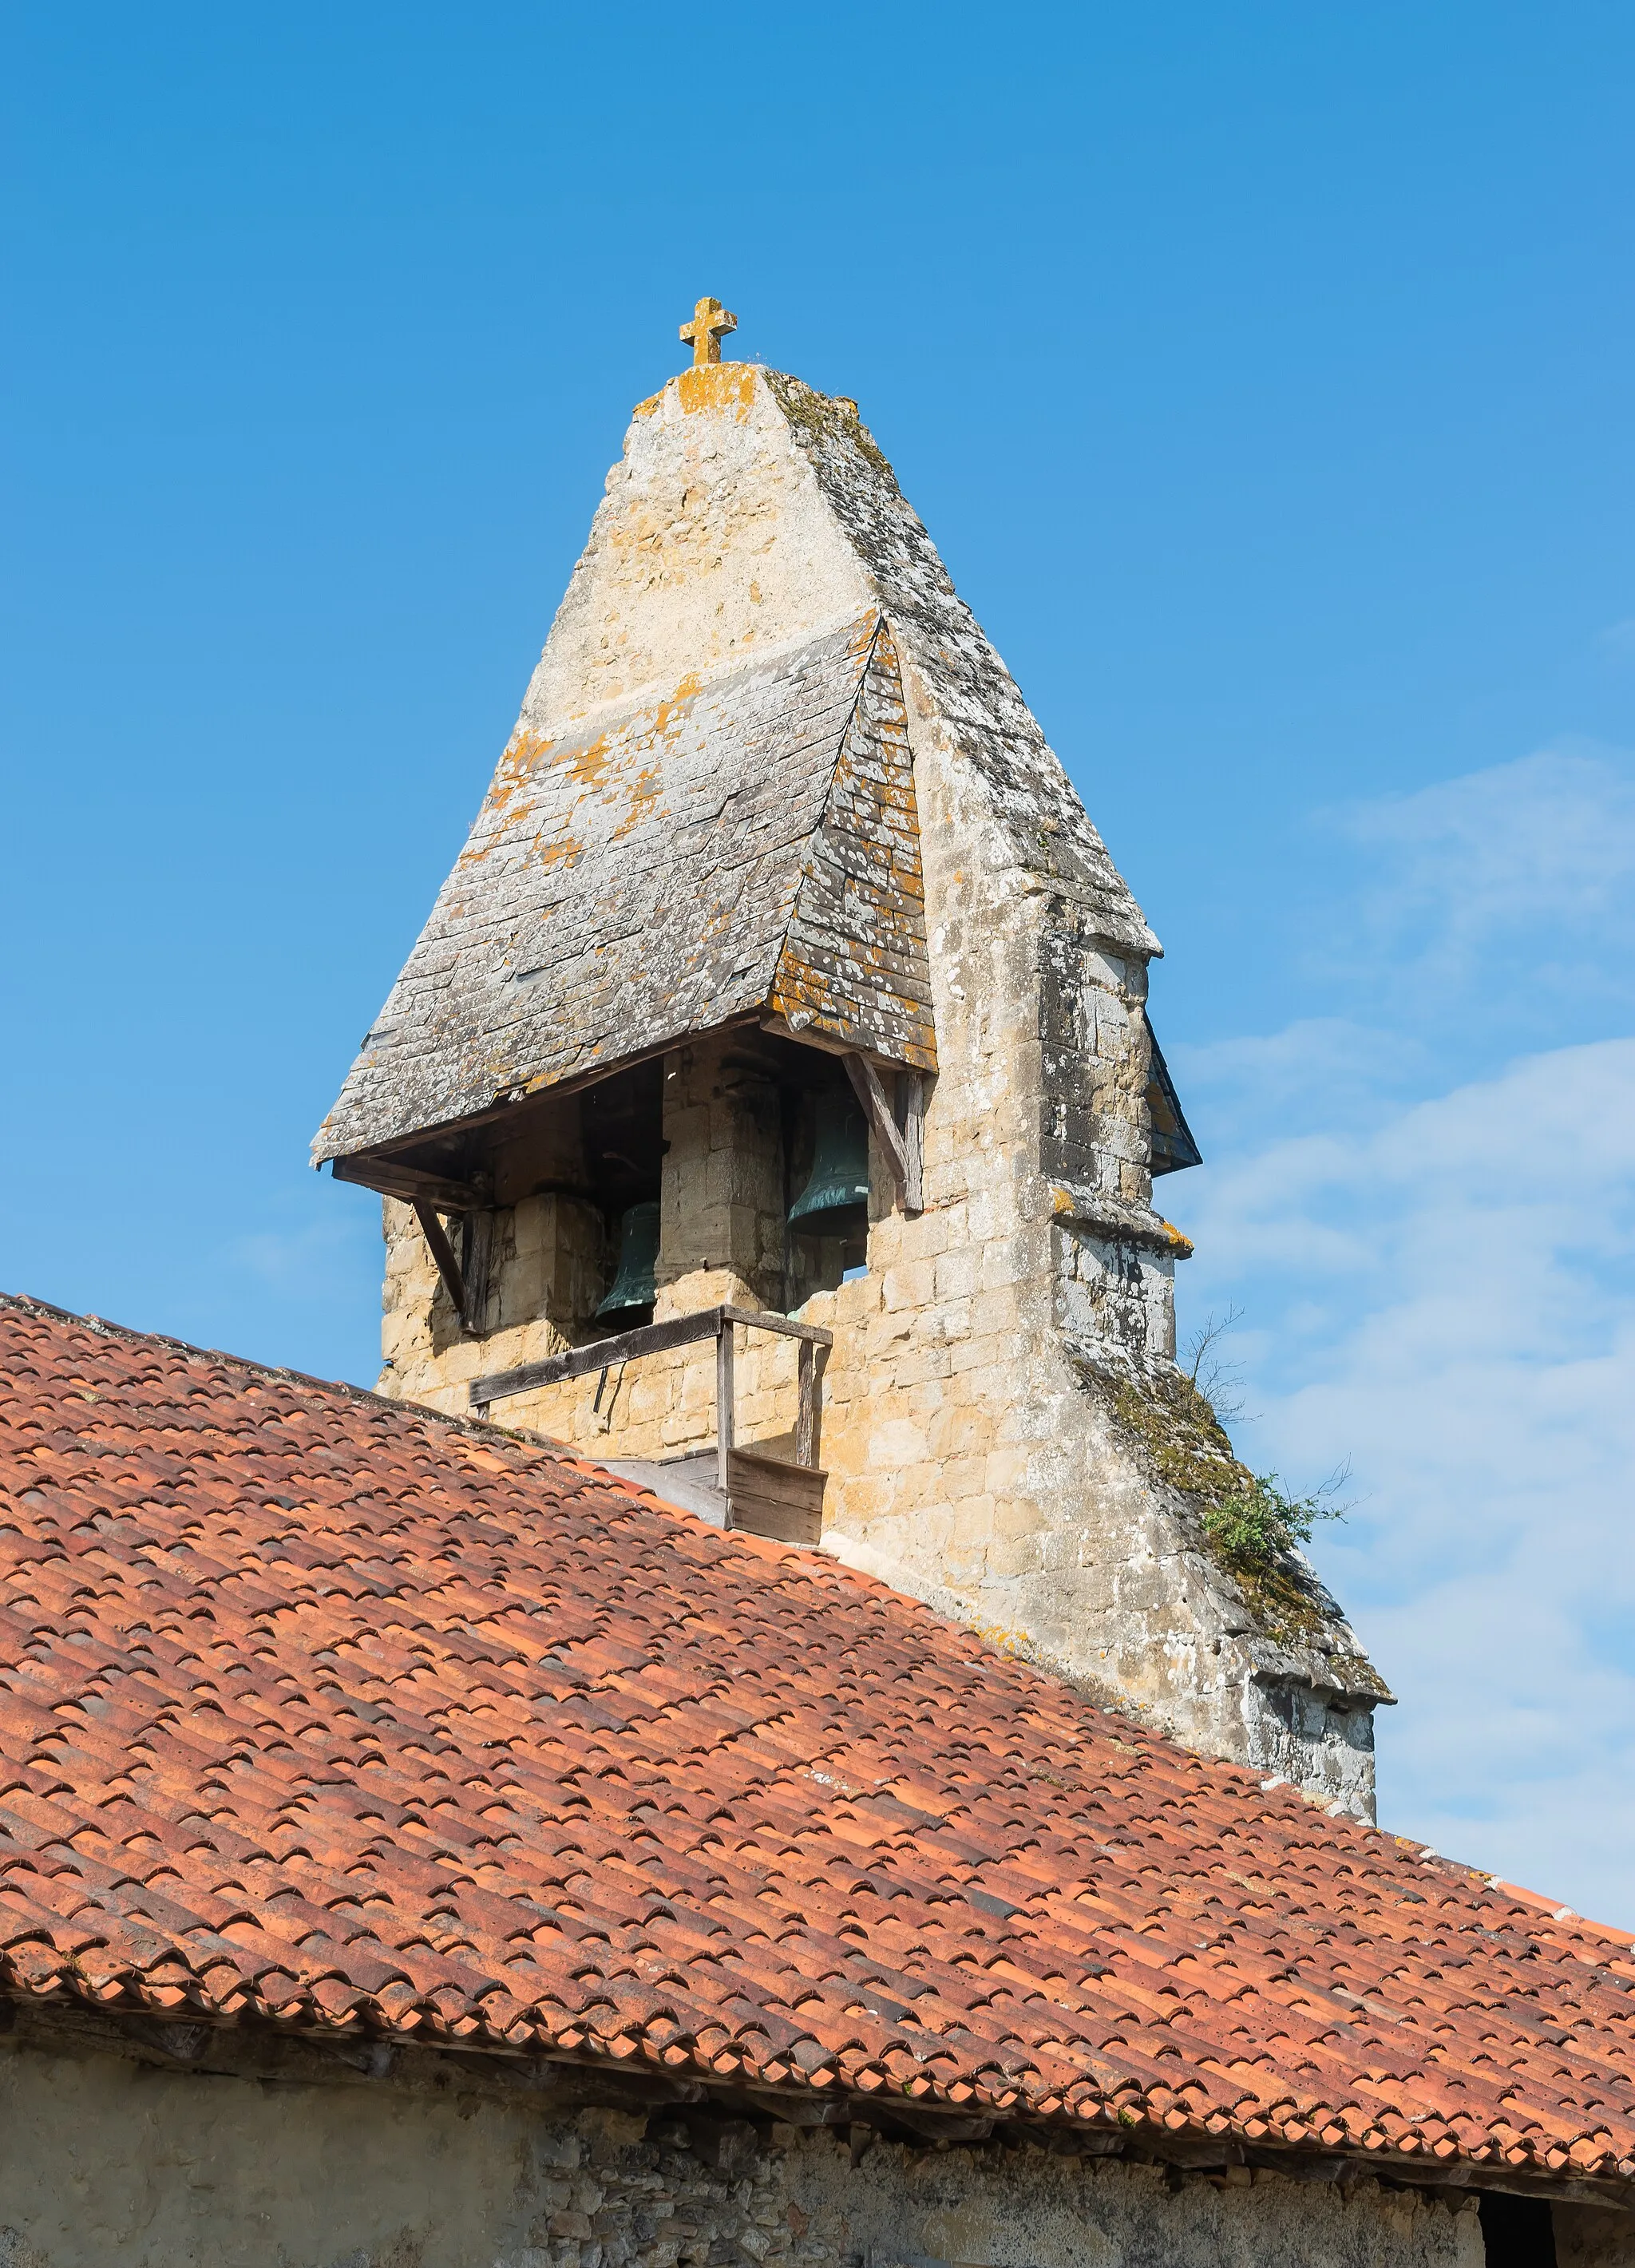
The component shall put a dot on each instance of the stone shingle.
(750, 843)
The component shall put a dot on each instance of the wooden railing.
(675, 1332)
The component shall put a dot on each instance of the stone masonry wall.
(110, 2163)
(999, 1407)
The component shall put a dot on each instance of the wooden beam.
(476, 1261)
(389, 1179)
(443, 1252)
(865, 1081)
(648, 1338)
(723, 1413)
(507, 1104)
(601, 1354)
(911, 1118)
(762, 1318)
(806, 1404)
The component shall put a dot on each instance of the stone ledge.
(1116, 1217)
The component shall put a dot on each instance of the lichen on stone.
(814, 414)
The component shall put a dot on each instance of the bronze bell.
(635, 1284)
(839, 1179)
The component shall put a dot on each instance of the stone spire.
(775, 830)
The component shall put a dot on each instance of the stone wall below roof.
(107, 2161)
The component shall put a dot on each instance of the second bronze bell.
(635, 1286)
(839, 1181)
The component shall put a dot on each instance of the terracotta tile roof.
(321, 1709)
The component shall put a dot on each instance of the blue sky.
(1262, 374)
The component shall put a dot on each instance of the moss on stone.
(1184, 1443)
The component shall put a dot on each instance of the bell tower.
(769, 1107)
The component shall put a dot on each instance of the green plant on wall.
(1251, 1526)
(1254, 1527)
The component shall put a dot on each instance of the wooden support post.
(476, 1260)
(865, 1082)
(911, 1118)
(806, 1403)
(724, 1410)
(443, 1252)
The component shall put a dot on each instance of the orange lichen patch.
(586, 762)
(669, 710)
(718, 386)
(513, 772)
(644, 799)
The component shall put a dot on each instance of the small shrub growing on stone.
(1258, 1526)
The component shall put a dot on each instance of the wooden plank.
(443, 1253)
(763, 1318)
(806, 1406)
(601, 1354)
(779, 1481)
(626, 1346)
(724, 1410)
(476, 1260)
(770, 1498)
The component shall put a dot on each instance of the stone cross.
(709, 325)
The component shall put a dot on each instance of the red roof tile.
(321, 1708)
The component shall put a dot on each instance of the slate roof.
(331, 1712)
(749, 844)
(977, 701)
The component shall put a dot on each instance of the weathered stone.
(105, 2160)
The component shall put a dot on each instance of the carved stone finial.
(709, 325)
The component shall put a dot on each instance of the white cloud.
(1321, 1070)
(1533, 860)
(1447, 1294)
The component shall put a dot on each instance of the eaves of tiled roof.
(326, 1712)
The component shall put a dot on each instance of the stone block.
(894, 1443)
(910, 1287)
(956, 1275)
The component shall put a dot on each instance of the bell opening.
(838, 1183)
(630, 1298)
(829, 1217)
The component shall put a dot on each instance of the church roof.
(748, 844)
(330, 1712)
